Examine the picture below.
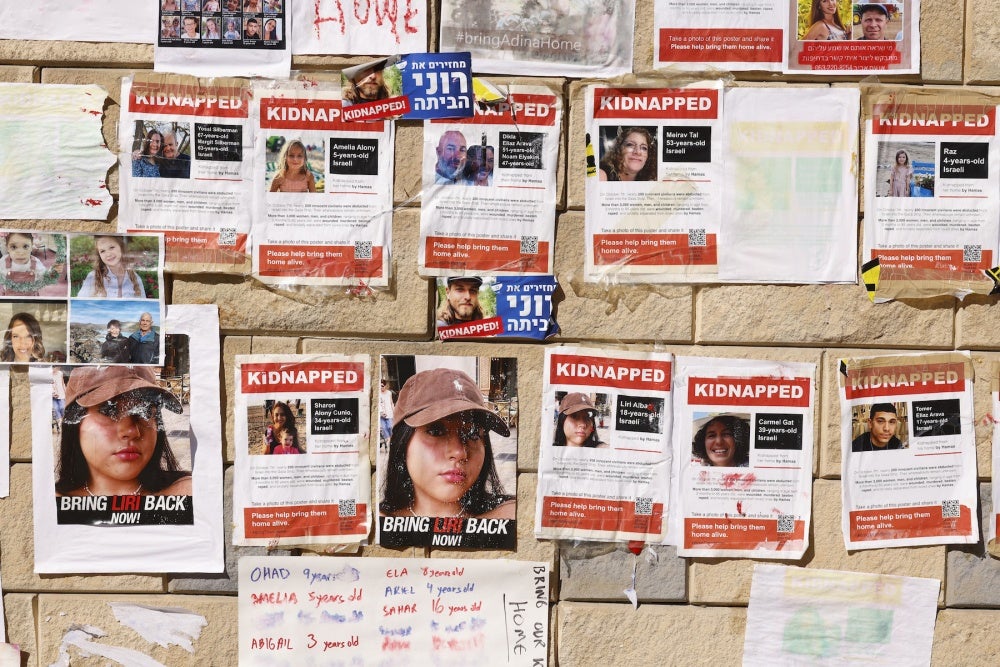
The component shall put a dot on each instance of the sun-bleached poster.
(743, 452)
(394, 612)
(908, 446)
(127, 473)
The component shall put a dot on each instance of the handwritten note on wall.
(387, 611)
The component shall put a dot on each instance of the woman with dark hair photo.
(632, 157)
(22, 341)
(723, 441)
(113, 439)
(440, 460)
(576, 425)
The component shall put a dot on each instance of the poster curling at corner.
(654, 182)
(302, 472)
(789, 211)
(743, 452)
(325, 27)
(429, 611)
(186, 154)
(5, 433)
(51, 314)
(323, 190)
(908, 449)
(855, 38)
(518, 307)
(498, 166)
(446, 464)
(931, 203)
(157, 505)
(809, 616)
(412, 86)
(235, 39)
(604, 462)
(553, 38)
(69, 181)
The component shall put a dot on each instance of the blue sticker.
(496, 307)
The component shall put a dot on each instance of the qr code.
(696, 238)
(227, 236)
(362, 250)
(643, 506)
(972, 253)
(347, 508)
(529, 245)
(950, 509)
(786, 523)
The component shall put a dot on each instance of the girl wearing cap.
(113, 439)
(440, 459)
(575, 426)
(723, 441)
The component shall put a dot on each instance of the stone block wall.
(691, 611)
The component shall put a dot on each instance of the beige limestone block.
(576, 149)
(19, 614)
(977, 323)
(274, 345)
(728, 581)
(529, 378)
(642, 44)
(626, 313)
(18, 74)
(231, 346)
(614, 634)
(942, 40)
(966, 637)
(982, 32)
(217, 644)
(818, 314)
(63, 54)
(17, 538)
(984, 365)
(247, 306)
(20, 411)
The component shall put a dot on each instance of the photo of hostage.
(478, 169)
(281, 432)
(30, 269)
(440, 461)
(113, 276)
(461, 302)
(901, 176)
(114, 442)
(576, 423)
(878, 21)
(630, 157)
(190, 28)
(293, 173)
(882, 424)
(114, 349)
(144, 344)
(825, 22)
(22, 341)
(724, 441)
(451, 150)
(146, 160)
(159, 154)
(366, 84)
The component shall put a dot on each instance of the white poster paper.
(931, 190)
(313, 409)
(111, 311)
(497, 167)
(908, 446)
(5, 433)
(187, 168)
(743, 447)
(826, 617)
(368, 27)
(790, 209)
(391, 611)
(323, 190)
(104, 21)
(604, 466)
(170, 517)
(224, 38)
(654, 189)
(547, 38)
(727, 35)
(60, 126)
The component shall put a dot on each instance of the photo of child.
(31, 264)
(115, 267)
(278, 424)
(294, 166)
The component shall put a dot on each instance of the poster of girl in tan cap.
(449, 475)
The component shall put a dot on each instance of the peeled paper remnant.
(60, 126)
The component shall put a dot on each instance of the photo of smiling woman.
(576, 423)
(113, 439)
(628, 154)
(723, 440)
(440, 458)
